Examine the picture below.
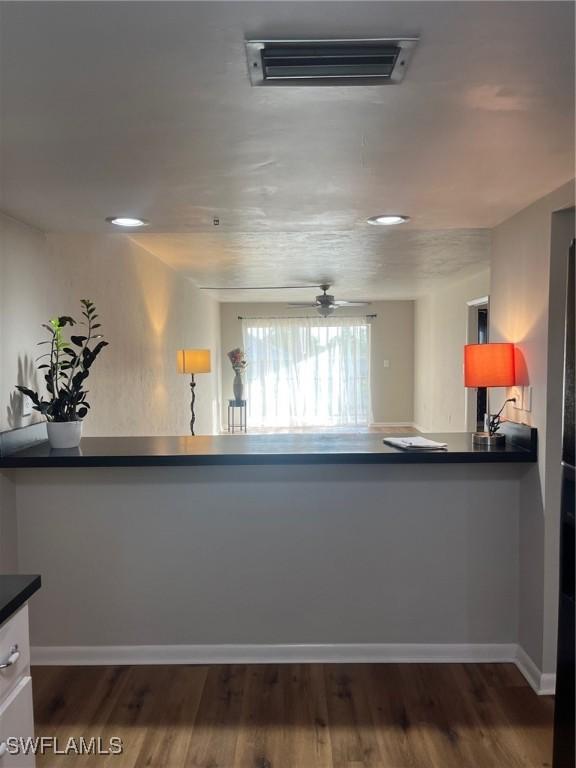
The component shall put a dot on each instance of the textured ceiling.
(145, 108)
(370, 262)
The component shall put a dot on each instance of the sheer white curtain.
(307, 371)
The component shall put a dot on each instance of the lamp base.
(486, 440)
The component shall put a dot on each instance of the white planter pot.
(64, 434)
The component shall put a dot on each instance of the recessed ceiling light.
(126, 221)
(386, 220)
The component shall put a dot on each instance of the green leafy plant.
(68, 366)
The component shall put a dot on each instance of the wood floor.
(298, 716)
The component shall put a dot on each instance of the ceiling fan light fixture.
(127, 221)
(387, 220)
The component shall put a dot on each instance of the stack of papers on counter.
(415, 443)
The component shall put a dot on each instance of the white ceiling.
(369, 262)
(145, 108)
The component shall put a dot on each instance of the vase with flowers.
(238, 360)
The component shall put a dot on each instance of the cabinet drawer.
(14, 651)
(17, 721)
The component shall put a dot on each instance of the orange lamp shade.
(489, 365)
(193, 361)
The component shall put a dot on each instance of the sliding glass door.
(306, 372)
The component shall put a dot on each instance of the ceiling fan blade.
(253, 287)
(308, 305)
(343, 303)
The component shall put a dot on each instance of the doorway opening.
(477, 333)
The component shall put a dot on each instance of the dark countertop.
(14, 592)
(359, 448)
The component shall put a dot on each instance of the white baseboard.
(544, 684)
(271, 654)
(392, 424)
(547, 684)
(361, 653)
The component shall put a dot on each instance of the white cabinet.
(14, 651)
(17, 726)
(16, 713)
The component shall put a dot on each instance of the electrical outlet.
(386, 363)
(527, 398)
(25, 405)
(516, 392)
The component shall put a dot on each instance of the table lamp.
(193, 361)
(490, 365)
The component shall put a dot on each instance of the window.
(307, 371)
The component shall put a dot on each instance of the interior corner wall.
(147, 311)
(25, 244)
(22, 267)
(8, 526)
(441, 321)
(392, 340)
(527, 307)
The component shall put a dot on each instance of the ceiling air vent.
(329, 62)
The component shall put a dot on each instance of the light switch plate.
(527, 398)
(386, 363)
(25, 405)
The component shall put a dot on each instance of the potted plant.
(67, 367)
(238, 360)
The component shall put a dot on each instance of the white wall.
(392, 339)
(147, 310)
(306, 554)
(441, 321)
(8, 526)
(527, 307)
(20, 246)
(24, 278)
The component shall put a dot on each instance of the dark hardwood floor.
(298, 716)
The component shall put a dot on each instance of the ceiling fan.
(326, 304)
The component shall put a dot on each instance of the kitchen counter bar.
(15, 590)
(280, 449)
(327, 542)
